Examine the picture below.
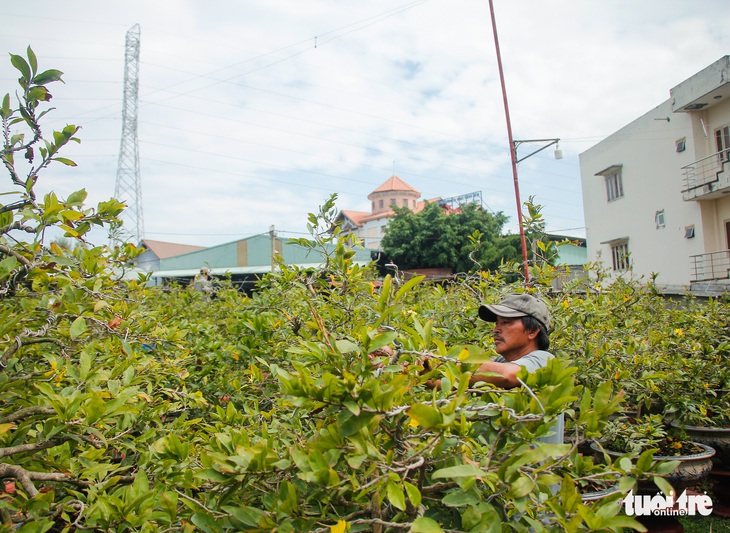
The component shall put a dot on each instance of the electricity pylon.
(128, 189)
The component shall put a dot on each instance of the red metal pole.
(512, 149)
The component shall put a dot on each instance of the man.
(521, 339)
(522, 323)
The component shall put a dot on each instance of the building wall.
(652, 181)
(147, 261)
(716, 212)
(373, 232)
(253, 251)
(215, 256)
(571, 254)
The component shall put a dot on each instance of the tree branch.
(26, 342)
(8, 251)
(27, 412)
(22, 448)
(15, 206)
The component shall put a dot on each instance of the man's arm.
(503, 375)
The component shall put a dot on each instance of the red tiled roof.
(394, 183)
(163, 250)
(422, 204)
(357, 217)
(390, 213)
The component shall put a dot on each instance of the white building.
(656, 194)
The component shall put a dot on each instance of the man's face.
(511, 340)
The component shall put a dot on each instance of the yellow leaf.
(4, 428)
(341, 527)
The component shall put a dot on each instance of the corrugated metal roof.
(164, 250)
(262, 269)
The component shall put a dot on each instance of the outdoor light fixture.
(548, 142)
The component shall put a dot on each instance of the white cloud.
(252, 113)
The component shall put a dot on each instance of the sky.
(251, 114)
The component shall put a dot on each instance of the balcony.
(708, 178)
(711, 267)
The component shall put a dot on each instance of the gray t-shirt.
(532, 361)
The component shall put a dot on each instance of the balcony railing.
(712, 266)
(703, 172)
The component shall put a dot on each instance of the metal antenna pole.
(512, 150)
(128, 187)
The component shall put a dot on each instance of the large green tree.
(464, 240)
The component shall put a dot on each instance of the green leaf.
(36, 526)
(95, 409)
(666, 467)
(211, 474)
(382, 339)
(663, 485)
(522, 487)
(205, 522)
(459, 471)
(618, 523)
(32, 60)
(346, 346)
(7, 265)
(248, 515)
(645, 460)
(407, 287)
(6, 111)
(353, 423)
(38, 94)
(65, 161)
(78, 328)
(427, 416)
(424, 524)
(461, 498)
(414, 495)
(19, 63)
(77, 198)
(396, 496)
(48, 76)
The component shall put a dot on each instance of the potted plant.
(686, 463)
(698, 403)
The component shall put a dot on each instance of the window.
(381, 204)
(614, 186)
(659, 219)
(393, 201)
(614, 182)
(620, 255)
(722, 141)
(405, 202)
(681, 145)
(689, 232)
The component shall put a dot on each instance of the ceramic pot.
(598, 494)
(692, 468)
(717, 438)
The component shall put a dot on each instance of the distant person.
(202, 282)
